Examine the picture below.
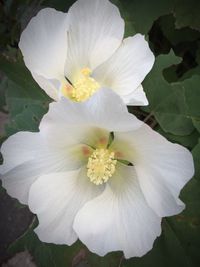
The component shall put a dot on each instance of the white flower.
(76, 53)
(80, 187)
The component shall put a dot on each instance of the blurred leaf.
(167, 101)
(142, 13)
(26, 101)
(192, 96)
(111, 259)
(187, 13)
(188, 141)
(19, 74)
(62, 5)
(196, 123)
(186, 226)
(45, 254)
(3, 86)
(175, 36)
(196, 157)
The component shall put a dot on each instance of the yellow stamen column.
(101, 166)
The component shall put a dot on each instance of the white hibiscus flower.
(74, 175)
(76, 53)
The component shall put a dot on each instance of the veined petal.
(56, 199)
(163, 168)
(103, 110)
(24, 167)
(95, 31)
(127, 67)
(118, 219)
(44, 43)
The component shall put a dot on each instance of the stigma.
(101, 166)
(82, 88)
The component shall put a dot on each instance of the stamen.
(84, 87)
(101, 166)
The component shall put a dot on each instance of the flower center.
(84, 87)
(101, 166)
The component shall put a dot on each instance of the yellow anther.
(83, 87)
(101, 166)
(86, 71)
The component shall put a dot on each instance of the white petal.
(56, 198)
(18, 181)
(103, 110)
(95, 32)
(19, 148)
(44, 43)
(51, 87)
(163, 168)
(136, 98)
(20, 175)
(127, 68)
(118, 219)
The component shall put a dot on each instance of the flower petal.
(136, 98)
(17, 181)
(56, 198)
(51, 87)
(44, 43)
(163, 168)
(19, 148)
(127, 67)
(24, 164)
(118, 219)
(95, 32)
(103, 110)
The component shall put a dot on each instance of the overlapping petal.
(127, 68)
(68, 192)
(163, 168)
(58, 45)
(95, 31)
(19, 148)
(47, 170)
(119, 219)
(29, 155)
(103, 110)
(136, 98)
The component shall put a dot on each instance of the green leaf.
(111, 259)
(196, 123)
(26, 101)
(186, 226)
(20, 75)
(188, 141)
(176, 36)
(195, 70)
(142, 13)
(52, 255)
(196, 157)
(3, 86)
(44, 254)
(187, 13)
(192, 96)
(167, 101)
